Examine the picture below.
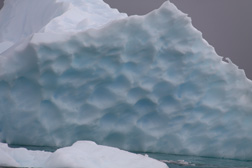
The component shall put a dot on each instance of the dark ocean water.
(181, 161)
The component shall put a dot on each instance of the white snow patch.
(80, 154)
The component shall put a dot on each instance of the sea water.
(183, 161)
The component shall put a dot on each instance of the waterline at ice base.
(74, 70)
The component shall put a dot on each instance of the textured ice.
(80, 154)
(20, 19)
(142, 83)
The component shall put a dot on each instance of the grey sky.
(225, 24)
(1, 3)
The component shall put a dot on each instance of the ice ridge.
(20, 19)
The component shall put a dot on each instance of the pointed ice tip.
(167, 5)
(166, 2)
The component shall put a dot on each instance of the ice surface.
(80, 154)
(142, 83)
(21, 157)
(5, 45)
(20, 19)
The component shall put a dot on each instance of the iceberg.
(141, 83)
(80, 154)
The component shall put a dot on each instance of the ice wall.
(142, 83)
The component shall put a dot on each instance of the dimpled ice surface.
(140, 83)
